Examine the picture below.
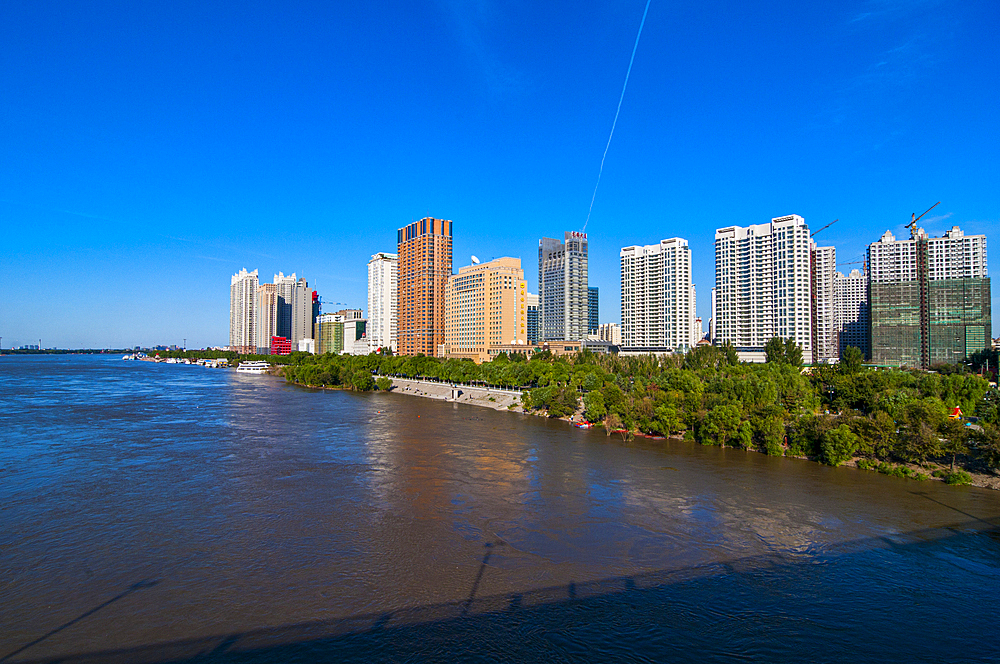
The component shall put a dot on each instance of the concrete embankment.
(476, 396)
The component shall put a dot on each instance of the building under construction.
(929, 298)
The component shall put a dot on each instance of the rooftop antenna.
(475, 261)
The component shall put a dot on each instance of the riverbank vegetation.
(834, 414)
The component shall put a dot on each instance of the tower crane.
(827, 226)
(914, 219)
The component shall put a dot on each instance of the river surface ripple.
(155, 513)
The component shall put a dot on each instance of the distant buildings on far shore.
(912, 303)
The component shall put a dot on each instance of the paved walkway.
(498, 399)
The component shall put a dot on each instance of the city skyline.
(300, 139)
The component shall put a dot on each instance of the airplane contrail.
(619, 110)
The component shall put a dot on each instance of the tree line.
(831, 414)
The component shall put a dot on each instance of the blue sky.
(151, 150)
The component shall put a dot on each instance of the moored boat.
(255, 367)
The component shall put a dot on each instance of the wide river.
(163, 513)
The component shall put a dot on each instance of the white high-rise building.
(610, 332)
(763, 286)
(563, 299)
(243, 312)
(658, 308)
(824, 320)
(301, 312)
(851, 307)
(696, 331)
(711, 321)
(267, 316)
(383, 274)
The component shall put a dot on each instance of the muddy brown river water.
(164, 513)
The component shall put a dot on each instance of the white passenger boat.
(255, 367)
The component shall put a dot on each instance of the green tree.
(592, 381)
(955, 437)
(769, 429)
(876, 435)
(667, 420)
(839, 445)
(594, 409)
(720, 425)
(613, 423)
(363, 381)
(774, 350)
(783, 351)
(988, 445)
(614, 398)
(852, 360)
(564, 402)
(383, 383)
(919, 440)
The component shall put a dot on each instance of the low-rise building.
(281, 346)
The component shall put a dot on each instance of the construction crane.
(827, 226)
(914, 219)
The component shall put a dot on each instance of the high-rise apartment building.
(610, 332)
(711, 320)
(658, 308)
(929, 298)
(562, 287)
(267, 316)
(341, 332)
(824, 315)
(383, 274)
(285, 287)
(243, 312)
(329, 333)
(301, 312)
(531, 302)
(695, 331)
(593, 309)
(763, 286)
(424, 250)
(317, 309)
(485, 307)
(851, 309)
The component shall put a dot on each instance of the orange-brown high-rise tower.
(424, 249)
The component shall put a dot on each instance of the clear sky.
(151, 150)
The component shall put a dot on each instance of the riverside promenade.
(490, 397)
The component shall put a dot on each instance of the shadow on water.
(479, 575)
(928, 496)
(131, 589)
(896, 597)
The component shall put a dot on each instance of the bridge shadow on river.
(919, 596)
